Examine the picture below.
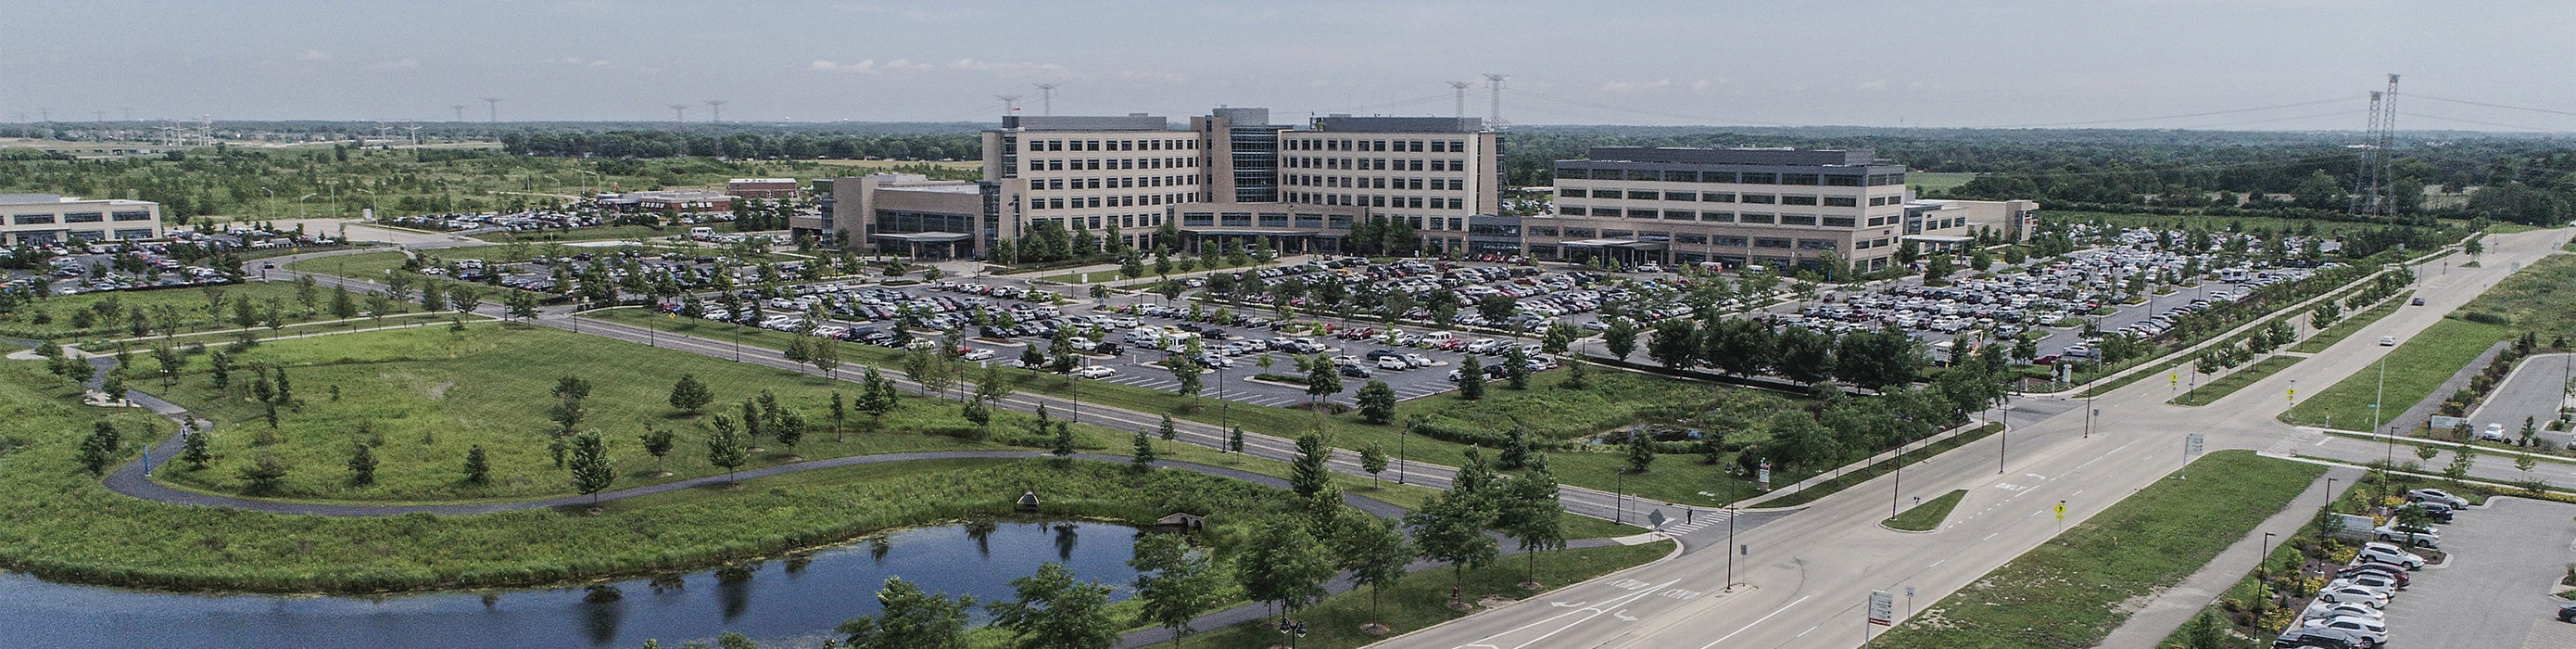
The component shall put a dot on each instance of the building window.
(1681, 176)
(1752, 178)
(1571, 210)
(134, 233)
(1838, 221)
(1681, 196)
(1724, 240)
(81, 217)
(87, 235)
(1842, 181)
(1576, 173)
(1572, 192)
(1754, 218)
(1640, 195)
(1641, 214)
(1797, 219)
(1841, 201)
(1794, 199)
(1799, 179)
(1679, 215)
(1721, 217)
(1817, 244)
(1767, 242)
(1690, 238)
(1586, 233)
(1542, 231)
(1641, 174)
(1717, 176)
(1717, 197)
(31, 219)
(1762, 199)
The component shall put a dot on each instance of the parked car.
(2418, 302)
(2437, 496)
(1393, 363)
(2388, 341)
(2376, 631)
(2320, 638)
(2493, 433)
(978, 355)
(2429, 538)
(2372, 580)
(2350, 593)
(1094, 371)
(2567, 612)
(1354, 371)
(2347, 609)
(2394, 573)
(2389, 554)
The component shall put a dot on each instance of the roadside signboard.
(2191, 445)
(1882, 608)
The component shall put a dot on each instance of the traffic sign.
(2061, 510)
(1655, 519)
(2191, 444)
(1882, 608)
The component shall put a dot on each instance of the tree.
(789, 428)
(1676, 344)
(1234, 439)
(1373, 460)
(2475, 247)
(2462, 458)
(1516, 450)
(1377, 402)
(1516, 368)
(1323, 381)
(1185, 371)
(2204, 632)
(1471, 379)
(908, 618)
(263, 474)
(1641, 451)
(362, 465)
(1620, 338)
(725, 447)
(1376, 554)
(478, 469)
(343, 305)
(1282, 563)
(1142, 460)
(590, 468)
(1166, 430)
(1307, 475)
(522, 304)
(691, 395)
(1528, 512)
(195, 452)
(825, 356)
(102, 447)
(568, 393)
(1052, 611)
(1577, 373)
(464, 298)
(1451, 529)
(1181, 584)
(1062, 447)
(219, 369)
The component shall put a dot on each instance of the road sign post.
(1882, 612)
(2191, 447)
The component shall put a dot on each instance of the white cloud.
(314, 55)
(1873, 84)
(908, 64)
(398, 64)
(1165, 77)
(868, 66)
(575, 60)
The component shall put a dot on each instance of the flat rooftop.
(1746, 156)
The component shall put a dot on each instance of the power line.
(2481, 103)
(2218, 167)
(1713, 120)
(2497, 124)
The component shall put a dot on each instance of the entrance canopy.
(1622, 244)
(923, 237)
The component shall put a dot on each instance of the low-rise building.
(671, 201)
(763, 188)
(1773, 207)
(38, 219)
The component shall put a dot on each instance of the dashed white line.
(1757, 621)
(1990, 537)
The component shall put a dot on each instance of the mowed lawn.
(1611, 399)
(191, 302)
(421, 397)
(2415, 369)
(2067, 592)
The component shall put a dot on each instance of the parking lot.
(2494, 593)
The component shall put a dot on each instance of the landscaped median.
(1918, 454)
(2345, 328)
(1927, 516)
(2068, 591)
(2219, 388)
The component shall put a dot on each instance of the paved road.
(2535, 390)
(1805, 578)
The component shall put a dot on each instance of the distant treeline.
(801, 146)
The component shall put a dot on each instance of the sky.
(2226, 64)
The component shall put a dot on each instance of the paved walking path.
(2174, 607)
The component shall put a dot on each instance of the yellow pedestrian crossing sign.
(2173, 379)
(2061, 510)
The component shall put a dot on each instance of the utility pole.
(460, 111)
(1046, 94)
(1459, 88)
(1495, 114)
(680, 114)
(1010, 103)
(715, 111)
(494, 105)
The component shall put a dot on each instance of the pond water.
(792, 601)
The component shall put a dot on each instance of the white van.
(701, 234)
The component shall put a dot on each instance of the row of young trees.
(1748, 347)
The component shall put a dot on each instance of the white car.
(2388, 341)
(2429, 538)
(2375, 630)
(2494, 433)
(1094, 371)
(2437, 496)
(2389, 554)
(2354, 594)
(2370, 580)
(1393, 363)
(2328, 610)
(978, 355)
(1417, 360)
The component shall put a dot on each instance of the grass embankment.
(64, 525)
(1547, 409)
(2414, 370)
(226, 336)
(2352, 324)
(1421, 599)
(1918, 454)
(360, 265)
(421, 397)
(2068, 591)
(1927, 516)
(63, 321)
(2309, 550)
(2226, 385)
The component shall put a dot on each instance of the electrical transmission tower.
(1459, 88)
(1494, 116)
(715, 110)
(1046, 98)
(680, 114)
(494, 103)
(2374, 191)
(460, 111)
(1010, 104)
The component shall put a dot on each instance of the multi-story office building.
(1090, 174)
(1775, 207)
(1433, 173)
(38, 219)
(905, 214)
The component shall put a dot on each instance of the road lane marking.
(1989, 537)
(1935, 563)
(1812, 629)
(1622, 600)
(1756, 621)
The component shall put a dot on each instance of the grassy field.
(1421, 599)
(1927, 516)
(421, 397)
(1845, 481)
(2229, 384)
(1548, 410)
(191, 303)
(1938, 181)
(2352, 324)
(2068, 591)
(2414, 370)
(66, 526)
(2220, 223)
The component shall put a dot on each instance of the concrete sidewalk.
(2175, 606)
